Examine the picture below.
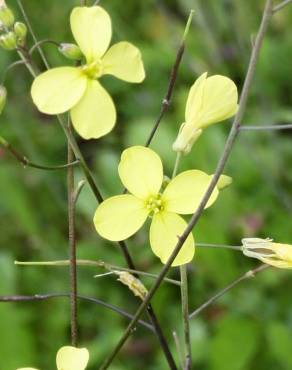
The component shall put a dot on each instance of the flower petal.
(58, 90)
(119, 217)
(165, 229)
(211, 100)
(124, 61)
(195, 98)
(71, 358)
(141, 171)
(27, 368)
(95, 114)
(184, 193)
(92, 30)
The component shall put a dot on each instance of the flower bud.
(224, 181)
(8, 41)
(6, 16)
(275, 254)
(71, 51)
(3, 97)
(186, 138)
(20, 30)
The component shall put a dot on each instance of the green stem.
(184, 295)
(103, 264)
(44, 297)
(185, 313)
(248, 275)
(27, 163)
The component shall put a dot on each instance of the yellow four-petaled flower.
(141, 172)
(69, 358)
(76, 89)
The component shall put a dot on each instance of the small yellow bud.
(6, 16)
(224, 181)
(71, 51)
(20, 30)
(8, 41)
(186, 138)
(3, 97)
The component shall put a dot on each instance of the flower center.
(93, 70)
(155, 204)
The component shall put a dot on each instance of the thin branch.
(172, 80)
(72, 244)
(220, 246)
(42, 42)
(281, 5)
(11, 67)
(220, 167)
(35, 40)
(248, 275)
(27, 163)
(266, 128)
(102, 264)
(44, 297)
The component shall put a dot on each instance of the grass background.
(249, 328)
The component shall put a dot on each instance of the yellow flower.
(141, 172)
(211, 99)
(69, 358)
(275, 254)
(76, 89)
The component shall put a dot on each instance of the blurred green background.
(249, 328)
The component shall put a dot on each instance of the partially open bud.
(186, 138)
(8, 41)
(6, 15)
(275, 254)
(71, 51)
(3, 97)
(20, 30)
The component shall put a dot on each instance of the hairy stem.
(219, 170)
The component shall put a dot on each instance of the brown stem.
(220, 167)
(72, 244)
(167, 99)
(44, 297)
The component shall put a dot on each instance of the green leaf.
(279, 337)
(234, 344)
